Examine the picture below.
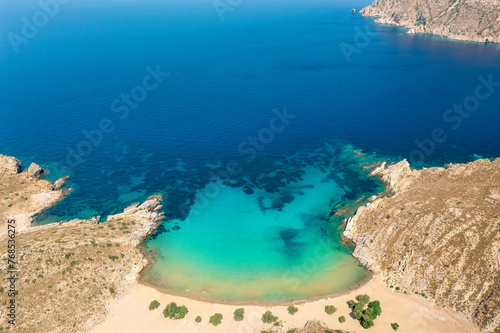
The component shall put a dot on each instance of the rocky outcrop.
(35, 170)
(60, 182)
(312, 326)
(146, 216)
(9, 164)
(471, 20)
(72, 270)
(27, 193)
(437, 235)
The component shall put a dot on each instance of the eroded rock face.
(25, 194)
(87, 264)
(60, 182)
(472, 20)
(438, 234)
(35, 170)
(71, 270)
(9, 164)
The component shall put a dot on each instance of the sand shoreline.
(359, 285)
(413, 314)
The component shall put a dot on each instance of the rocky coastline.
(437, 236)
(24, 193)
(475, 20)
(71, 271)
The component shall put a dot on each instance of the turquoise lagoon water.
(265, 232)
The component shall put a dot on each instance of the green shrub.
(154, 305)
(173, 311)
(198, 319)
(216, 319)
(395, 326)
(341, 319)
(269, 318)
(292, 310)
(112, 290)
(367, 323)
(239, 314)
(363, 298)
(330, 309)
(358, 314)
(375, 305)
(368, 315)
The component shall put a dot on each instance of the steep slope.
(437, 236)
(472, 20)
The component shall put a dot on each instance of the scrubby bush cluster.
(216, 319)
(154, 305)
(173, 311)
(365, 315)
(292, 310)
(330, 309)
(269, 318)
(239, 314)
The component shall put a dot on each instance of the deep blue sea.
(243, 114)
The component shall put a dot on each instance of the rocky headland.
(68, 272)
(24, 194)
(471, 20)
(437, 236)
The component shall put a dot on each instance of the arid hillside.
(472, 20)
(67, 273)
(437, 236)
(24, 194)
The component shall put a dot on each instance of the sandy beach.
(130, 313)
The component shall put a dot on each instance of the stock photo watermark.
(362, 38)
(224, 6)
(121, 108)
(248, 148)
(454, 116)
(32, 25)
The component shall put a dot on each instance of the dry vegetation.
(23, 194)
(68, 272)
(474, 20)
(312, 326)
(438, 236)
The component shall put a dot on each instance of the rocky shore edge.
(475, 21)
(436, 236)
(107, 253)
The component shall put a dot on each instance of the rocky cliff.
(24, 194)
(471, 20)
(68, 272)
(437, 237)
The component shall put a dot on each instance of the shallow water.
(269, 244)
(228, 79)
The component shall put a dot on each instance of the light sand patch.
(130, 314)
